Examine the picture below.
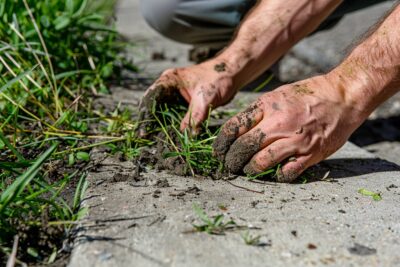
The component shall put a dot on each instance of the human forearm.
(371, 73)
(269, 31)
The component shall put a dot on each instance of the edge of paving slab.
(130, 223)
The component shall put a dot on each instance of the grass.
(251, 240)
(54, 57)
(215, 225)
(194, 150)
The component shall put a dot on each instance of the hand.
(297, 125)
(204, 86)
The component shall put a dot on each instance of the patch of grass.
(31, 207)
(375, 196)
(215, 225)
(54, 57)
(195, 150)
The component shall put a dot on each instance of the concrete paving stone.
(141, 223)
(148, 221)
(320, 223)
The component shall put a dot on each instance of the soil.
(220, 67)
(156, 157)
(160, 94)
(242, 151)
(44, 237)
(236, 156)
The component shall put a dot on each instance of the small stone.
(361, 250)
(311, 246)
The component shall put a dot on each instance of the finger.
(270, 156)
(196, 114)
(236, 127)
(157, 93)
(243, 149)
(293, 168)
(145, 113)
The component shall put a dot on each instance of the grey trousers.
(213, 22)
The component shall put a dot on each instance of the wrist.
(362, 85)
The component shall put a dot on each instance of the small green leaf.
(69, 6)
(218, 220)
(33, 252)
(53, 256)
(107, 70)
(71, 159)
(202, 215)
(377, 197)
(83, 156)
(45, 21)
(365, 192)
(62, 22)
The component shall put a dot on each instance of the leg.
(198, 22)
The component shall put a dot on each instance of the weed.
(194, 150)
(215, 225)
(264, 174)
(32, 209)
(365, 192)
(250, 239)
(54, 55)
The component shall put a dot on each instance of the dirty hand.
(297, 125)
(204, 86)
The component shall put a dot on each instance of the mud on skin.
(242, 151)
(230, 131)
(220, 67)
(160, 94)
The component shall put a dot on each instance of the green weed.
(54, 56)
(365, 192)
(195, 150)
(250, 239)
(215, 225)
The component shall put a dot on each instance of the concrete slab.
(148, 222)
(319, 223)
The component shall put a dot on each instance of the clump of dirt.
(159, 94)
(173, 164)
(163, 156)
(41, 236)
(220, 67)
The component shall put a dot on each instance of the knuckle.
(168, 72)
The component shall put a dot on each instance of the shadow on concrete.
(377, 130)
(346, 167)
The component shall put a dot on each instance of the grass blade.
(23, 180)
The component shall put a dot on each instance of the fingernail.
(249, 169)
(194, 131)
(287, 177)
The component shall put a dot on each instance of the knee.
(160, 16)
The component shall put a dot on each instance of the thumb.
(196, 114)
